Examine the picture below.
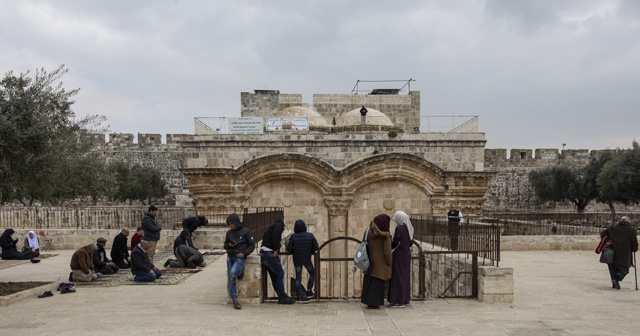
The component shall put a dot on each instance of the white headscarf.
(33, 242)
(401, 218)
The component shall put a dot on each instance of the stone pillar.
(495, 284)
(338, 208)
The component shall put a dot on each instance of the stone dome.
(315, 119)
(374, 118)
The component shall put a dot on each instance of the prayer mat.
(170, 276)
(10, 263)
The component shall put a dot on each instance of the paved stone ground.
(557, 293)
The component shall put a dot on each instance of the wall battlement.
(497, 157)
(145, 140)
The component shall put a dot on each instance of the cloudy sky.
(537, 73)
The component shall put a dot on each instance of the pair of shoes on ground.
(65, 288)
(45, 294)
(396, 305)
(303, 299)
(616, 284)
(237, 305)
(287, 300)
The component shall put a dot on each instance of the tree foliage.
(137, 183)
(619, 180)
(41, 142)
(562, 183)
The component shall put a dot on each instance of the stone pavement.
(556, 293)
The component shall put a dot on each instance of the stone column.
(336, 282)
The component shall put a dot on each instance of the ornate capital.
(338, 206)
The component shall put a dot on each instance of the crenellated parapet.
(496, 158)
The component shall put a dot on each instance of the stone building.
(345, 169)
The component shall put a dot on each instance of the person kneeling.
(141, 266)
(101, 263)
(187, 256)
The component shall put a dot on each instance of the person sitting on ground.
(141, 266)
(9, 249)
(186, 256)
(119, 250)
(31, 243)
(192, 223)
(137, 237)
(82, 268)
(101, 263)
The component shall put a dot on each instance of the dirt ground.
(7, 288)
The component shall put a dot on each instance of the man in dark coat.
(303, 245)
(185, 255)
(120, 251)
(454, 221)
(151, 230)
(624, 239)
(141, 266)
(239, 244)
(271, 260)
(192, 223)
(101, 263)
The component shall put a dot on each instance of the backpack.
(362, 254)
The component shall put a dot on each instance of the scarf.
(402, 218)
(33, 242)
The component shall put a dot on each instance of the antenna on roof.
(380, 91)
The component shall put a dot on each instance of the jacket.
(273, 236)
(151, 228)
(140, 261)
(119, 250)
(100, 257)
(192, 223)
(302, 244)
(625, 241)
(189, 255)
(182, 240)
(379, 244)
(241, 236)
(82, 260)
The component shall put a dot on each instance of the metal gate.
(451, 274)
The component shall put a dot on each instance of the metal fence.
(88, 217)
(484, 238)
(258, 219)
(549, 223)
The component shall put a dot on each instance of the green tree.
(138, 183)
(570, 183)
(40, 138)
(619, 180)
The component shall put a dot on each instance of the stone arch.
(287, 166)
(395, 166)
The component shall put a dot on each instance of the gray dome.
(315, 119)
(374, 117)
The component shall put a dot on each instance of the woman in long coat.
(379, 246)
(400, 284)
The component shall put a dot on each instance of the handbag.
(361, 258)
(606, 257)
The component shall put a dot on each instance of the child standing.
(302, 245)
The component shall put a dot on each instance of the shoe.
(34, 260)
(99, 275)
(240, 277)
(64, 285)
(45, 294)
(68, 290)
(616, 284)
(166, 263)
(310, 294)
(303, 299)
(287, 300)
(237, 305)
(133, 278)
(396, 305)
(71, 277)
(373, 307)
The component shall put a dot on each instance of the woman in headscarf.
(379, 246)
(32, 244)
(400, 284)
(9, 250)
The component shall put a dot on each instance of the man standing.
(271, 260)
(101, 263)
(239, 244)
(82, 264)
(151, 230)
(191, 224)
(141, 266)
(454, 221)
(119, 250)
(624, 239)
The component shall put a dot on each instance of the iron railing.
(550, 223)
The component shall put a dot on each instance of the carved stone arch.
(287, 166)
(394, 166)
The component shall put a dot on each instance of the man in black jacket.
(141, 266)
(151, 230)
(303, 245)
(119, 250)
(239, 244)
(192, 223)
(271, 260)
(101, 263)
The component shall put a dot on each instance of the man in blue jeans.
(239, 244)
(141, 266)
(303, 245)
(271, 261)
